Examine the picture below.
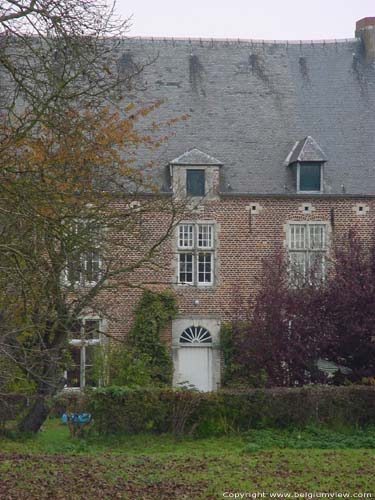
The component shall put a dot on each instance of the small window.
(307, 253)
(84, 269)
(196, 253)
(185, 271)
(196, 335)
(310, 177)
(205, 268)
(185, 237)
(205, 239)
(195, 180)
(84, 263)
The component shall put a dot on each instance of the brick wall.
(244, 239)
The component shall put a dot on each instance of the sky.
(255, 19)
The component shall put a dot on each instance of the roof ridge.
(239, 40)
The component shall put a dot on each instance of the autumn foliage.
(58, 203)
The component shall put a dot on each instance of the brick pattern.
(244, 239)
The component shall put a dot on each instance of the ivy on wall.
(151, 317)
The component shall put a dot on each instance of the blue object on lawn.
(75, 418)
(84, 418)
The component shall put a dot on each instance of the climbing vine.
(151, 317)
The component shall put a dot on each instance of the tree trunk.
(36, 416)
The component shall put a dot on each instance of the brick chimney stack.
(365, 30)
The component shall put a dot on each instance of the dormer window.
(307, 159)
(195, 174)
(195, 182)
(309, 177)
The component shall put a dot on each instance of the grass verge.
(53, 466)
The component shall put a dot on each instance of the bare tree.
(56, 55)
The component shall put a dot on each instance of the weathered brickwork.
(243, 240)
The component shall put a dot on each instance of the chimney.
(365, 30)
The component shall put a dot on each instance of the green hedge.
(124, 410)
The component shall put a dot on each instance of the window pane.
(205, 236)
(90, 375)
(195, 182)
(317, 236)
(205, 274)
(185, 274)
(73, 374)
(297, 237)
(91, 329)
(307, 250)
(92, 266)
(74, 269)
(185, 236)
(317, 266)
(309, 177)
(297, 268)
(76, 329)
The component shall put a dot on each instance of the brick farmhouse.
(278, 148)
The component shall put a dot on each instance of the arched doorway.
(195, 358)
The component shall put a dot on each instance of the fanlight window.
(196, 335)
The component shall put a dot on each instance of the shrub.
(185, 412)
(118, 364)
(127, 410)
(11, 407)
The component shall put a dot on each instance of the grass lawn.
(52, 466)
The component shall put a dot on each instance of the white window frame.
(299, 179)
(179, 239)
(205, 283)
(210, 238)
(82, 281)
(307, 251)
(82, 343)
(197, 249)
(179, 271)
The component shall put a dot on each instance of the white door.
(195, 367)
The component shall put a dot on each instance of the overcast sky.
(258, 19)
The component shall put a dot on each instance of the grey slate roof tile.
(249, 103)
(195, 157)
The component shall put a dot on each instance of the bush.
(12, 407)
(185, 412)
(118, 364)
(127, 410)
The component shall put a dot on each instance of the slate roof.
(306, 150)
(248, 103)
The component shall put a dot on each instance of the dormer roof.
(305, 150)
(195, 157)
